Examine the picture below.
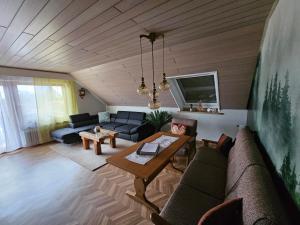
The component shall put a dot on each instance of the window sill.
(212, 113)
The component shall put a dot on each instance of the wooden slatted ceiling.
(73, 35)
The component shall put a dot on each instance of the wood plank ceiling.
(98, 42)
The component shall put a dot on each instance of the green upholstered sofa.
(211, 178)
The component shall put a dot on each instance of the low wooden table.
(98, 139)
(144, 174)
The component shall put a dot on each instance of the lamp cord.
(141, 57)
(163, 53)
(152, 65)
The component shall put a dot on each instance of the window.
(30, 108)
(27, 105)
(196, 88)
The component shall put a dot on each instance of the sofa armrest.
(143, 131)
(158, 220)
(207, 142)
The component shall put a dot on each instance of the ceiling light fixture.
(164, 85)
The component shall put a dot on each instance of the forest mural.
(274, 110)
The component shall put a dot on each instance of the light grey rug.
(88, 158)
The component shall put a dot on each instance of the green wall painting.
(274, 109)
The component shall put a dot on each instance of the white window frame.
(176, 91)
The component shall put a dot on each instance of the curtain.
(55, 100)
(30, 108)
(17, 122)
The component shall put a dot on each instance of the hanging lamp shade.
(142, 89)
(154, 104)
(164, 85)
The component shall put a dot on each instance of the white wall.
(210, 126)
(90, 103)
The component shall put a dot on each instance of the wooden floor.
(40, 187)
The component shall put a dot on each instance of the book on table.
(148, 149)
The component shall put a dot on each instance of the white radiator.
(31, 136)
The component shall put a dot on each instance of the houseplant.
(158, 119)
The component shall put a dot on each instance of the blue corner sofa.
(78, 123)
(130, 125)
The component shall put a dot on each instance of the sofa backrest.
(79, 117)
(248, 178)
(122, 117)
(83, 119)
(242, 155)
(261, 204)
(134, 118)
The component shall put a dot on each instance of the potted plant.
(158, 119)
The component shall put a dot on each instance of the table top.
(97, 136)
(150, 170)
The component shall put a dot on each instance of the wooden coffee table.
(144, 174)
(98, 139)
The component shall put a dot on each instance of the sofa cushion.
(187, 205)
(60, 133)
(127, 129)
(111, 126)
(227, 213)
(243, 154)
(178, 129)
(83, 123)
(136, 118)
(84, 128)
(205, 178)
(79, 117)
(261, 204)
(211, 157)
(103, 117)
(122, 117)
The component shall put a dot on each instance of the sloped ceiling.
(98, 42)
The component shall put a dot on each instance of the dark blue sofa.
(130, 125)
(78, 123)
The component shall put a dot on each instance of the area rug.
(88, 158)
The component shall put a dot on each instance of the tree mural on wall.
(277, 117)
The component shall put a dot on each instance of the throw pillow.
(103, 117)
(227, 213)
(179, 129)
(224, 144)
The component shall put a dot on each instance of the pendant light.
(154, 103)
(164, 85)
(142, 89)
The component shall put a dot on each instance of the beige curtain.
(56, 100)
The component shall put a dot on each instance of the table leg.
(140, 188)
(112, 141)
(97, 147)
(85, 143)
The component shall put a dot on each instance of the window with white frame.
(195, 89)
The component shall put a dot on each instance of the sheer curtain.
(30, 108)
(17, 125)
(55, 100)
